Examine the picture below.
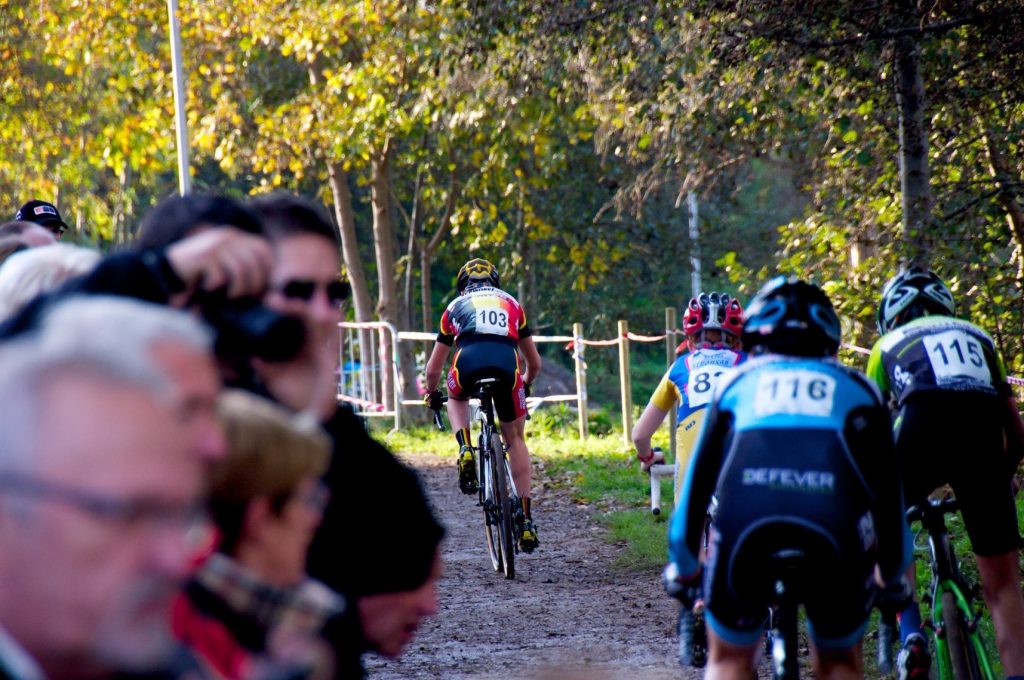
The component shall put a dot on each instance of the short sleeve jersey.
(692, 378)
(936, 353)
(483, 311)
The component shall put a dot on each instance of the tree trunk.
(427, 254)
(914, 172)
(384, 247)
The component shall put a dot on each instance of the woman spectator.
(251, 610)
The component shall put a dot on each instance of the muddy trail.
(571, 612)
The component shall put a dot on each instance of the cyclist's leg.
(838, 663)
(922, 468)
(728, 660)
(985, 494)
(458, 416)
(1001, 589)
(518, 455)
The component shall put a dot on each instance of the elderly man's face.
(194, 396)
(95, 543)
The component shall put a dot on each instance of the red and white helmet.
(713, 312)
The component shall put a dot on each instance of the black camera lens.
(244, 327)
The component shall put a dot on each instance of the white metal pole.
(184, 181)
(691, 201)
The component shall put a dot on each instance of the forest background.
(560, 139)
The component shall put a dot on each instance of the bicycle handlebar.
(438, 421)
(932, 508)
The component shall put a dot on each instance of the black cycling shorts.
(956, 438)
(497, 359)
(764, 508)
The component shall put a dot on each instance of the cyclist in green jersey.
(956, 422)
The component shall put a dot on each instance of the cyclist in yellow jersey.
(712, 323)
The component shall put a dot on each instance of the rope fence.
(368, 351)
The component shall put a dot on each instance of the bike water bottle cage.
(913, 293)
(713, 312)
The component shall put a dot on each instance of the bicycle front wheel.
(962, 659)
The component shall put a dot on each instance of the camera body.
(245, 328)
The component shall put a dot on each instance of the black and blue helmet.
(793, 317)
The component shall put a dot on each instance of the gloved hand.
(434, 400)
(686, 590)
(894, 598)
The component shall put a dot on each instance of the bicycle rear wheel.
(503, 499)
(491, 506)
(785, 664)
(963, 661)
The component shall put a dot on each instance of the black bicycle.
(960, 652)
(503, 509)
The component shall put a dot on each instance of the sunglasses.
(302, 289)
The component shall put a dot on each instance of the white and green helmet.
(910, 294)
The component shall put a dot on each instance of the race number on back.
(492, 320)
(955, 355)
(701, 384)
(794, 392)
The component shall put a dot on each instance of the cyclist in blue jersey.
(712, 323)
(798, 451)
(939, 370)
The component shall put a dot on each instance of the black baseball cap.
(42, 213)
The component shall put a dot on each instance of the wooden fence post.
(670, 357)
(581, 379)
(625, 384)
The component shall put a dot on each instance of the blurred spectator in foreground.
(391, 583)
(9, 245)
(43, 213)
(101, 516)
(38, 270)
(33, 234)
(393, 577)
(251, 608)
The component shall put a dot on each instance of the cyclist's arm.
(528, 348)
(645, 428)
(435, 364)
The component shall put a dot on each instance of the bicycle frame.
(947, 580)
(498, 495)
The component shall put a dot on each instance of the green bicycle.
(960, 650)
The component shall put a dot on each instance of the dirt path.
(568, 614)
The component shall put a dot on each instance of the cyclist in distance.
(940, 370)
(488, 328)
(712, 323)
(798, 451)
